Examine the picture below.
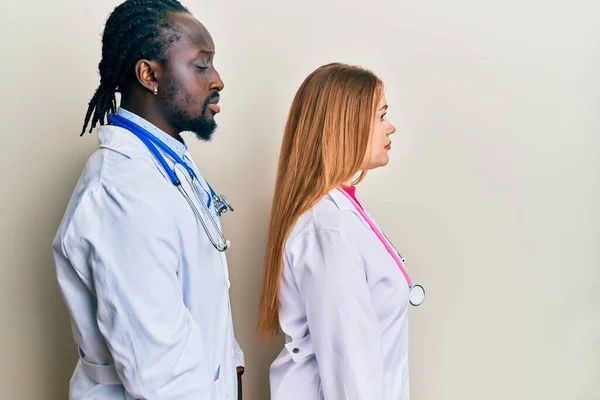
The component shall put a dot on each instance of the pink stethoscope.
(416, 293)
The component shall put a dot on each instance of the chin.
(384, 161)
(379, 163)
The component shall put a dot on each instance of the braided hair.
(136, 29)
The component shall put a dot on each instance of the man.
(146, 288)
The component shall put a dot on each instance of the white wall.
(491, 193)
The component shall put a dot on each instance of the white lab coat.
(343, 309)
(147, 292)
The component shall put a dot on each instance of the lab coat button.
(296, 350)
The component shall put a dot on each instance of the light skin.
(380, 142)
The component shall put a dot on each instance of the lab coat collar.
(121, 141)
(344, 204)
(179, 147)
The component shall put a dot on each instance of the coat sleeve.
(344, 328)
(133, 254)
(239, 355)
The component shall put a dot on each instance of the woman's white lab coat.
(147, 292)
(343, 309)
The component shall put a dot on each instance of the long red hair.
(324, 144)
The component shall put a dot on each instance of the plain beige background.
(492, 193)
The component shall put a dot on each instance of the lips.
(389, 146)
(212, 104)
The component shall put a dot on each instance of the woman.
(332, 283)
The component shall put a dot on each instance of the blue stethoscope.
(220, 203)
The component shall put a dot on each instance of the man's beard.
(200, 125)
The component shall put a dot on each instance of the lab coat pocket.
(217, 374)
(300, 349)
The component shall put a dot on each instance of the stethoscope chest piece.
(223, 246)
(416, 295)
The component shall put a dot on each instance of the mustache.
(212, 96)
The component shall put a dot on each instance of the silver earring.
(156, 90)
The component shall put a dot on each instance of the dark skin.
(186, 81)
(174, 95)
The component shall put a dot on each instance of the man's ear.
(148, 74)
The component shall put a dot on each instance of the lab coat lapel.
(345, 204)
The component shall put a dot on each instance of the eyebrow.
(385, 107)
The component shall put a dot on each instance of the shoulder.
(114, 190)
(327, 218)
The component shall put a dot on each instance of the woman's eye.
(202, 67)
(382, 116)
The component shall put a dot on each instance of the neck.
(151, 114)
